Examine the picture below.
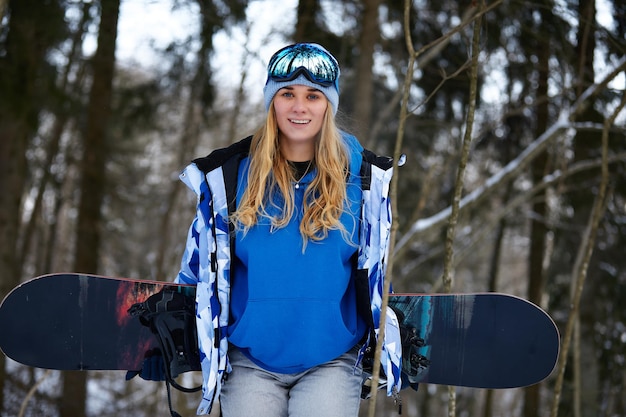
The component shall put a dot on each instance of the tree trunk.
(62, 114)
(364, 83)
(586, 145)
(32, 29)
(581, 193)
(305, 24)
(538, 227)
(73, 401)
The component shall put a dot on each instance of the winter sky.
(146, 22)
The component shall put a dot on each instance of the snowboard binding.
(414, 363)
(411, 342)
(170, 316)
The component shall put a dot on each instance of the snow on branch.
(517, 165)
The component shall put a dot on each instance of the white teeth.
(300, 122)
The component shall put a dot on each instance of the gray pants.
(332, 389)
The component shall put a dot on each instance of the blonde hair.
(270, 173)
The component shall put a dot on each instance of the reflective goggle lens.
(315, 63)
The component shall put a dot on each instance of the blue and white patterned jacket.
(207, 258)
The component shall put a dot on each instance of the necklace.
(298, 167)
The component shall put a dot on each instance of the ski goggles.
(307, 59)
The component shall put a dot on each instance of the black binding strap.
(170, 315)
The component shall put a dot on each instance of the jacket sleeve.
(373, 253)
(206, 263)
(189, 265)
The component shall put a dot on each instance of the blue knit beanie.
(331, 92)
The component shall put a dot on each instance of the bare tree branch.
(520, 199)
(579, 273)
(516, 166)
(423, 57)
(460, 181)
(31, 392)
(393, 192)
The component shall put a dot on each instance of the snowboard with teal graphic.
(88, 322)
(482, 340)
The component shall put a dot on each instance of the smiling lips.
(300, 122)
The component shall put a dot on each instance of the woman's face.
(299, 114)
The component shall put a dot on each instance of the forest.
(509, 115)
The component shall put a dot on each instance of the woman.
(291, 223)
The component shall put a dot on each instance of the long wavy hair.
(270, 173)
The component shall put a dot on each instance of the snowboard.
(80, 322)
(479, 340)
(87, 322)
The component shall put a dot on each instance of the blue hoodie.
(291, 309)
